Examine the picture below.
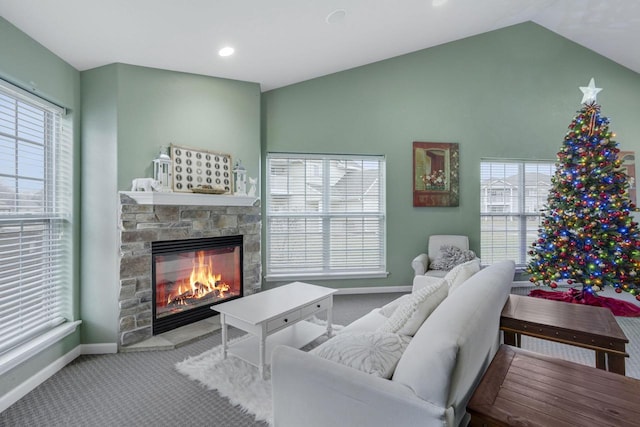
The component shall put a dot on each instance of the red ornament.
(618, 290)
(553, 285)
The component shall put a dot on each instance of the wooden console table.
(522, 388)
(584, 326)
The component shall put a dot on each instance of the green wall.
(510, 93)
(99, 261)
(29, 65)
(158, 107)
(129, 112)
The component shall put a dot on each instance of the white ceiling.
(280, 42)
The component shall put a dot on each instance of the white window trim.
(325, 274)
(521, 212)
(60, 327)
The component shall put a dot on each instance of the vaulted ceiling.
(281, 42)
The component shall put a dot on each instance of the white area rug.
(235, 379)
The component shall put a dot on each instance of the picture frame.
(195, 169)
(436, 174)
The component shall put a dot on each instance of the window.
(35, 218)
(325, 216)
(512, 195)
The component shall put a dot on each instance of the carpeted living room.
(183, 189)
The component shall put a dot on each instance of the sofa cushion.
(460, 273)
(388, 309)
(375, 353)
(420, 282)
(450, 256)
(367, 323)
(411, 313)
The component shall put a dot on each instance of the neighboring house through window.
(325, 216)
(513, 193)
(35, 224)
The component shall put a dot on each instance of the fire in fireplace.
(190, 276)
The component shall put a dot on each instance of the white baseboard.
(373, 290)
(34, 381)
(45, 373)
(106, 348)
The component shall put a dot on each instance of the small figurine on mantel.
(252, 189)
(240, 179)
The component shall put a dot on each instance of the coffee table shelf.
(297, 335)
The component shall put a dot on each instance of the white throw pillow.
(460, 273)
(375, 353)
(388, 309)
(411, 314)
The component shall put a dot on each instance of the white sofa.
(434, 377)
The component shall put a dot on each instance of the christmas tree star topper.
(590, 92)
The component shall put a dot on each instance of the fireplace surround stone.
(147, 218)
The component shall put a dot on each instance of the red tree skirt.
(617, 307)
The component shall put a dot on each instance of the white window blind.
(325, 216)
(512, 193)
(35, 217)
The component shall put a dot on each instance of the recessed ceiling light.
(438, 3)
(336, 17)
(226, 51)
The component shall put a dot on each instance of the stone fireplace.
(149, 220)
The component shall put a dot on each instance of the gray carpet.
(144, 389)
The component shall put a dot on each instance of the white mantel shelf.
(195, 199)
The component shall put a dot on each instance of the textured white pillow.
(388, 309)
(450, 256)
(375, 353)
(411, 314)
(460, 273)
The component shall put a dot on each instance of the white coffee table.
(273, 317)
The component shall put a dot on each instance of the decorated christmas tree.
(587, 236)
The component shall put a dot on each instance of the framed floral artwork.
(435, 174)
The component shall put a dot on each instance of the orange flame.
(202, 281)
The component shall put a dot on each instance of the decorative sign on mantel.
(199, 168)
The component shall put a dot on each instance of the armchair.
(422, 262)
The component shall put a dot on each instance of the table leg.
(601, 360)
(510, 338)
(262, 350)
(223, 325)
(616, 363)
(330, 320)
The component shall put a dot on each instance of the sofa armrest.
(311, 391)
(420, 264)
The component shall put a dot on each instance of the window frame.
(50, 249)
(325, 215)
(515, 207)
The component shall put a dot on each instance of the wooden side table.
(584, 326)
(522, 388)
